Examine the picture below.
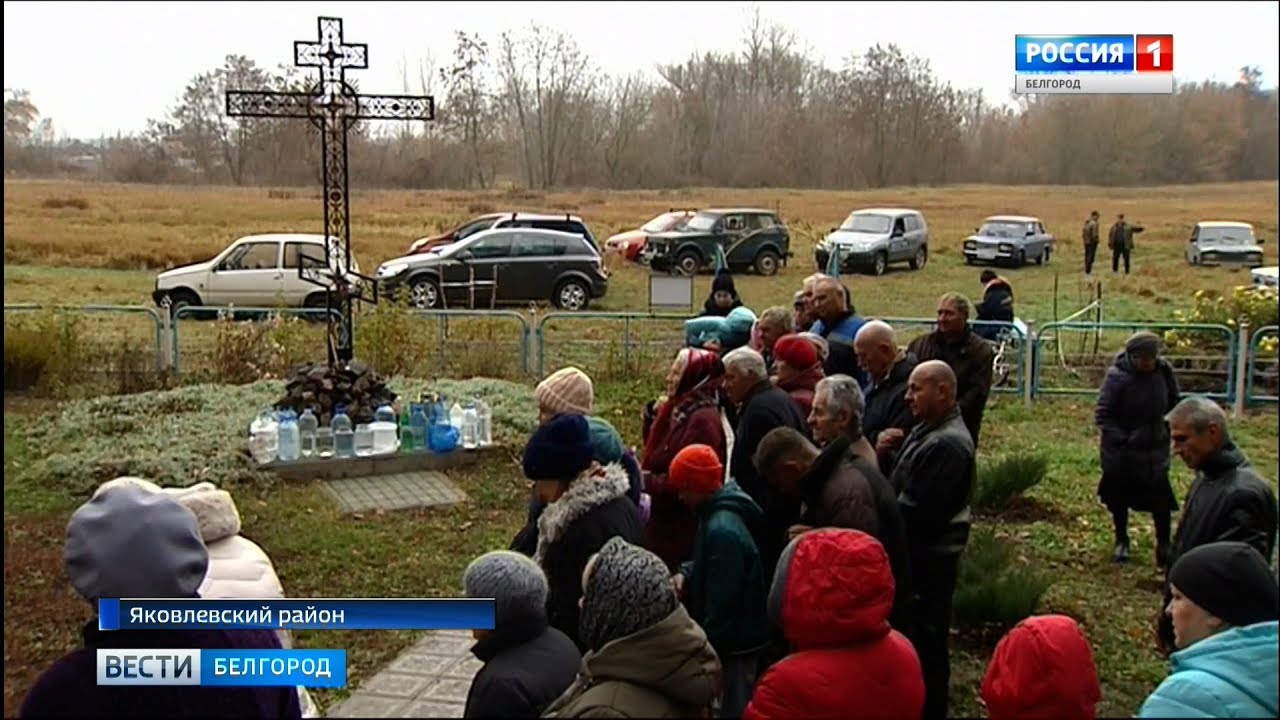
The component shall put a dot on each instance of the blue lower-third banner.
(315, 614)
(223, 668)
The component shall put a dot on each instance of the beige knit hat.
(567, 391)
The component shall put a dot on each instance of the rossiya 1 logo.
(1094, 64)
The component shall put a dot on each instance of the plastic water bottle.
(470, 427)
(421, 424)
(455, 416)
(384, 430)
(264, 437)
(407, 443)
(289, 446)
(307, 426)
(484, 422)
(344, 436)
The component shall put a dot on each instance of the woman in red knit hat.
(798, 369)
(692, 414)
(724, 584)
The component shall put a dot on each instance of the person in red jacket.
(690, 415)
(1043, 669)
(798, 370)
(832, 595)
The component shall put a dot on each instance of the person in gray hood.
(128, 543)
(646, 657)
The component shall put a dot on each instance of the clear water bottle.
(264, 437)
(344, 436)
(455, 416)
(470, 427)
(421, 424)
(308, 424)
(384, 430)
(484, 422)
(289, 446)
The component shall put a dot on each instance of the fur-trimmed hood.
(215, 511)
(594, 487)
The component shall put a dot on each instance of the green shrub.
(44, 352)
(995, 590)
(1007, 478)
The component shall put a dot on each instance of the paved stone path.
(400, 491)
(430, 679)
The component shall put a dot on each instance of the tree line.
(532, 109)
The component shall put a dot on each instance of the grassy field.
(106, 249)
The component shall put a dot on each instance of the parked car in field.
(525, 264)
(254, 271)
(751, 239)
(1224, 243)
(543, 221)
(1010, 239)
(874, 238)
(1266, 277)
(630, 243)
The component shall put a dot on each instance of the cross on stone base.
(333, 106)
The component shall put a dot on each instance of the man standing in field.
(1121, 242)
(1090, 237)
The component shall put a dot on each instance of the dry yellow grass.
(142, 228)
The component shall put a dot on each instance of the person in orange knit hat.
(724, 585)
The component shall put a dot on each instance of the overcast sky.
(104, 67)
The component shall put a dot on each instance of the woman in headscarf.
(691, 414)
(1139, 390)
(645, 657)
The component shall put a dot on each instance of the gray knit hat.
(628, 590)
(514, 581)
(127, 542)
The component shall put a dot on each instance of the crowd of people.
(784, 540)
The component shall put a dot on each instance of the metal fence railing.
(647, 341)
(1228, 364)
(1262, 367)
(479, 333)
(1204, 364)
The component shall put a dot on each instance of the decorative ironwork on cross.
(333, 106)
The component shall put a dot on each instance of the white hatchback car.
(254, 271)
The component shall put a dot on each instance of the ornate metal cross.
(333, 106)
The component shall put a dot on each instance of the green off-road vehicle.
(751, 240)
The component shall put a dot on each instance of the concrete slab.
(401, 491)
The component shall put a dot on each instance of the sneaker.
(1121, 554)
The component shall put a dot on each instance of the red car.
(630, 243)
(470, 227)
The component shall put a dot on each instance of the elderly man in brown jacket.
(969, 356)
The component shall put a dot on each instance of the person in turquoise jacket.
(724, 585)
(1224, 610)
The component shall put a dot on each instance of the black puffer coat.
(1135, 436)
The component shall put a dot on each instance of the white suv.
(254, 271)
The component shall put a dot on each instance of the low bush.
(1007, 478)
(58, 203)
(995, 589)
(44, 353)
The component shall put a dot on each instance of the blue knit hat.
(559, 449)
(606, 443)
